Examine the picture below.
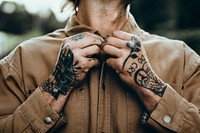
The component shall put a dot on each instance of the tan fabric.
(102, 103)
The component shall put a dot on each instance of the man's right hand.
(74, 61)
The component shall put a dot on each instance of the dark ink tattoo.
(144, 76)
(141, 59)
(147, 79)
(132, 68)
(77, 37)
(64, 75)
(135, 46)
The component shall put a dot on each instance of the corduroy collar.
(74, 26)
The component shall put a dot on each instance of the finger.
(132, 39)
(83, 40)
(116, 42)
(92, 50)
(92, 39)
(126, 36)
(92, 62)
(113, 51)
(122, 35)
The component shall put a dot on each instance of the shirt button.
(47, 120)
(81, 90)
(167, 119)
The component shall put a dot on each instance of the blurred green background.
(20, 21)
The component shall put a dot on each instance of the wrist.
(149, 99)
(55, 87)
(151, 95)
(56, 104)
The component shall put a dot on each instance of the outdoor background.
(24, 19)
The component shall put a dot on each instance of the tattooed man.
(100, 74)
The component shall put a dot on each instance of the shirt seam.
(13, 69)
(22, 85)
(26, 117)
(183, 117)
(190, 68)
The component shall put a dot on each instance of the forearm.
(56, 104)
(149, 87)
(149, 99)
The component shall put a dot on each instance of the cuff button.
(47, 120)
(167, 119)
(81, 90)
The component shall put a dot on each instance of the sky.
(39, 7)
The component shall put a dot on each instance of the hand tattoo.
(147, 79)
(135, 46)
(144, 76)
(77, 37)
(65, 72)
(64, 75)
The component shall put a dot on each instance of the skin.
(130, 62)
(75, 60)
(113, 12)
(127, 55)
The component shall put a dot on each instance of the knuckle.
(94, 40)
(109, 39)
(108, 61)
(115, 32)
(76, 52)
(83, 63)
(87, 33)
(66, 40)
(105, 48)
(97, 49)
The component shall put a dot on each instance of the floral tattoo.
(65, 72)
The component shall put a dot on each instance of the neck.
(103, 15)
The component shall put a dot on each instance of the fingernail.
(102, 40)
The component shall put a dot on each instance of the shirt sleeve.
(19, 112)
(180, 112)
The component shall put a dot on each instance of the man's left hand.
(129, 60)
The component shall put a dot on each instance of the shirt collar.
(74, 26)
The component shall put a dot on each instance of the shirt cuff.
(170, 110)
(38, 112)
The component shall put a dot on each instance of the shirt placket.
(104, 114)
(101, 101)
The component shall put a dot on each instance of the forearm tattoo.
(65, 74)
(143, 76)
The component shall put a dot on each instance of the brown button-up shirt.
(102, 103)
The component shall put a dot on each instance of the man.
(106, 75)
